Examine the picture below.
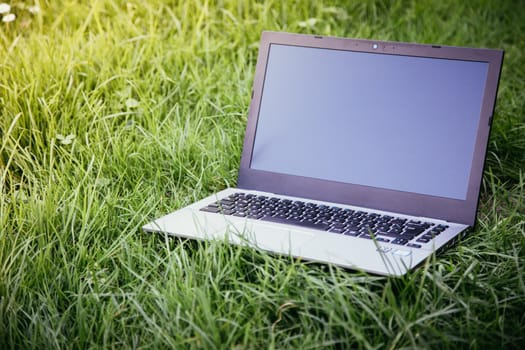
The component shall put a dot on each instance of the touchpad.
(267, 236)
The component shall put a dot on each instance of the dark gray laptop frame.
(452, 210)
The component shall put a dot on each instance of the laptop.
(360, 153)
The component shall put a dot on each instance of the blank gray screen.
(388, 121)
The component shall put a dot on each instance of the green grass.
(115, 112)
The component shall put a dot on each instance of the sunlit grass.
(115, 112)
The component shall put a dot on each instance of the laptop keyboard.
(383, 228)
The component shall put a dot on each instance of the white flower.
(34, 9)
(4, 8)
(10, 17)
(102, 181)
(65, 140)
(309, 23)
(132, 103)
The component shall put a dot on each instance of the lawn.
(114, 112)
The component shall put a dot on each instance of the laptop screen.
(395, 122)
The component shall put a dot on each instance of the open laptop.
(361, 153)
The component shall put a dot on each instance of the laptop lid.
(392, 126)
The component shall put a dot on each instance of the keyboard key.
(400, 241)
(211, 209)
(413, 245)
(379, 239)
(254, 216)
(413, 231)
(338, 225)
(396, 230)
(351, 233)
(441, 227)
(399, 222)
(336, 230)
(290, 221)
(434, 232)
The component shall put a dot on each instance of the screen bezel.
(453, 210)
